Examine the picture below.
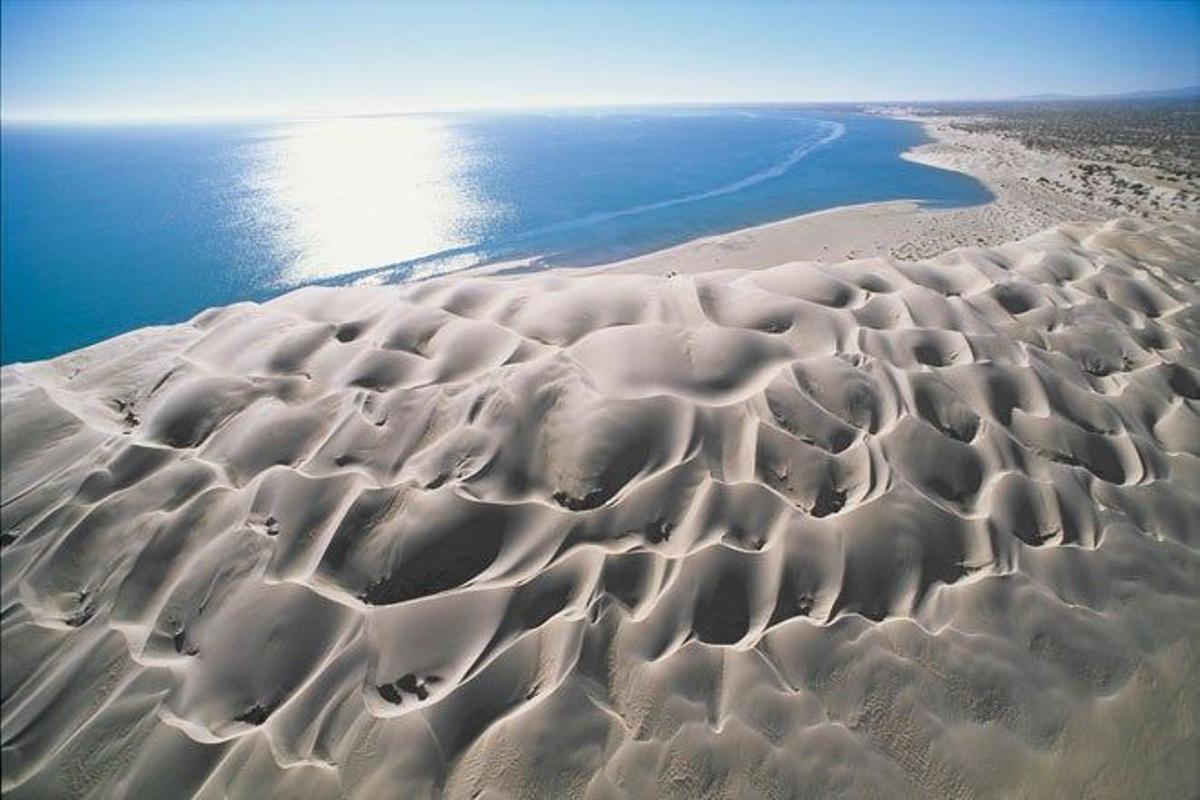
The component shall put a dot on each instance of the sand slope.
(866, 529)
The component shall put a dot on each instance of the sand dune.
(874, 528)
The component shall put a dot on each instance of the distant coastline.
(877, 228)
(1031, 189)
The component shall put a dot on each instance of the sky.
(65, 60)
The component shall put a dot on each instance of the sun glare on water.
(338, 196)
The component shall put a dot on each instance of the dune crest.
(875, 528)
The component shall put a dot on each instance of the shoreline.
(824, 235)
(1031, 190)
(695, 250)
(900, 229)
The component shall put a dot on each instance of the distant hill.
(1181, 93)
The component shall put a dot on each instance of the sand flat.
(875, 528)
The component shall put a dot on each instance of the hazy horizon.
(283, 115)
(132, 61)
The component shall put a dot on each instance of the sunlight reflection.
(342, 195)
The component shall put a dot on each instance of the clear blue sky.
(164, 59)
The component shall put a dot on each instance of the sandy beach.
(879, 502)
(1032, 189)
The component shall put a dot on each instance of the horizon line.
(302, 114)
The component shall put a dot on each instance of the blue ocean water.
(106, 229)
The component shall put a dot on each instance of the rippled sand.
(874, 528)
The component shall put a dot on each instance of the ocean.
(104, 229)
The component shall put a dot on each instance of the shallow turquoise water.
(106, 229)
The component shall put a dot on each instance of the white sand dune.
(870, 529)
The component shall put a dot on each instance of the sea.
(108, 228)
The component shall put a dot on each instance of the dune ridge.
(874, 528)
